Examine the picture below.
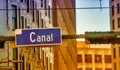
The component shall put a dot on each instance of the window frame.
(98, 60)
(108, 59)
(88, 58)
(79, 58)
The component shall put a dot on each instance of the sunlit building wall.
(25, 14)
(5, 51)
(93, 58)
(114, 15)
(65, 56)
(115, 26)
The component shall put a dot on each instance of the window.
(118, 8)
(112, 0)
(42, 23)
(2, 44)
(38, 52)
(44, 59)
(22, 21)
(45, 5)
(43, 55)
(33, 9)
(28, 6)
(113, 25)
(15, 53)
(36, 14)
(79, 69)
(108, 59)
(23, 63)
(118, 22)
(31, 6)
(41, 3)
(21, 0)
(15, 56)
(14, 22)
(37, 18)
(25, 23)
(34, 50)
(28, 66)
(112, 10)
(49, 13)
(98, 58)
(114, 53)
(88, 58)
(47, 63)
(19, 18)
(14, 16)
(108, 68)
(98, 68)
(88, 68)
(79, 58)
(115, 66)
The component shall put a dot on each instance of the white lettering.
(41, 38)
(31, 39)
(48, 38)
(38, 39)
(51, 37)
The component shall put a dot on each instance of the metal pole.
(73, 36)
(12, 38)
(7, 38)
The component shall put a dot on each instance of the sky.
(92, 19)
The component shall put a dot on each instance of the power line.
(100, 5)
(96, 7)
(64, 8)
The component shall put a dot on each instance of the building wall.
(93, 58)
(115, 26)
(116, 57)
(82, 44)
(97, 58)
(3, 30)
(114, 15)
(64, 17)
(21, 15)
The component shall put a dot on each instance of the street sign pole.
(12, 38)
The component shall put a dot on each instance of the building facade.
(115, 26)
(65, 57)
(28, 14)
(114, 15)
(93, 57)
(25, 14)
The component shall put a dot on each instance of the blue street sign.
(33, 37)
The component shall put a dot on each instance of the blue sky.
(92, 19)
